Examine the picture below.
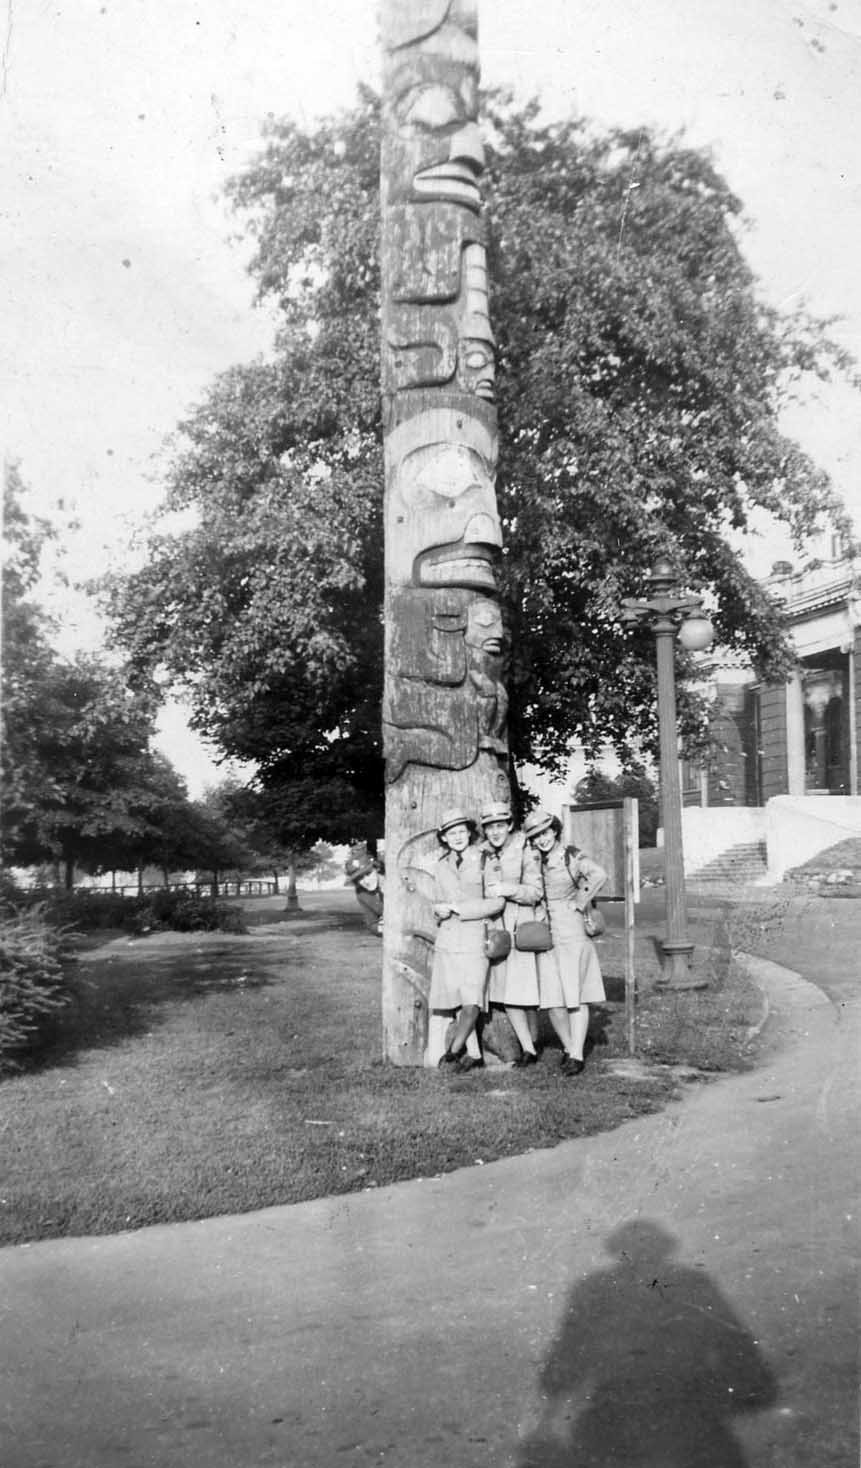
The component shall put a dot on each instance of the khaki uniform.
(569, 974)
(514, 980)
(460, 965)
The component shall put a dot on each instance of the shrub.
(32, 983)
(88, 910)
(184, 912)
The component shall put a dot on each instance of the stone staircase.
(735, 867)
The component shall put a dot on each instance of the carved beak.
(457, 177)
(483, 529)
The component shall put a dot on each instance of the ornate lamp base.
(677, 973)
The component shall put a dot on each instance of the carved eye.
(443, 473)
(430, 107)
(478, 357)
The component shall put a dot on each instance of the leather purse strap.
(546, 903)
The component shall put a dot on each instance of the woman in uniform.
(513, 871)
(569, 974)
(460, 965)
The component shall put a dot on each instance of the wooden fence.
(228, 887)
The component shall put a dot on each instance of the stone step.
(742, 863)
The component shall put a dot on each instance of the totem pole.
(444, 704)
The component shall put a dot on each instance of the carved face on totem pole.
(433, 160)
(442, 526)
(445, 699)
(433, 150)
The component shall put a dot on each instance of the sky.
(124, 289)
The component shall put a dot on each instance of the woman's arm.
(472, 908)
(530, 889)
(588, 878)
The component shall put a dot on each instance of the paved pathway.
(677, 1293)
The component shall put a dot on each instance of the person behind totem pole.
(513, 871)
(569, 975)
(364, 875)
(458, 984)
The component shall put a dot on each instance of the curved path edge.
(415, 1324)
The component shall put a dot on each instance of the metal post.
(664, 612)
(677, 946)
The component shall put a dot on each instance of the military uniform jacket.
(460, 966)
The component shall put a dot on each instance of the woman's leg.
(465, 1022)
(520, 1024)
(559, 1020)
(579, 1020)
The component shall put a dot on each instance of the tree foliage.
(597, 785)
(81, 784)
(640, 381)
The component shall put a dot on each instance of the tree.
(165, 825)
(282, 823)
(633, 780)
(218, 843)
(75, 738)
(26, 653)
(640, 378)
(88, 738)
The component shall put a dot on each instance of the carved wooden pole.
(444, 706)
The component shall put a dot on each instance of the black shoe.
(572, 1067)
(527, 1058)
(449, 1058)
(471, 1062)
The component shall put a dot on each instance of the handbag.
(497, 943)
(594, 921)
(533, 937)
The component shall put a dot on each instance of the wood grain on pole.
(444, 702)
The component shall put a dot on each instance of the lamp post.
(669, 615)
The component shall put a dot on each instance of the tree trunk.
(275, 888)
(213, 886)
(166, 875)
(292, 904)
(140, 881)
(444, 704)
(113, 879)
(69, 873)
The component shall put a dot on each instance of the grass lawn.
(201, 1074)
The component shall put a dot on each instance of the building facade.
(800, 737)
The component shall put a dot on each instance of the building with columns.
(809, 727)
(784, 772)
(802, 737)
(783, 780)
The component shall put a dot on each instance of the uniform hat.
(495, 810)
(536, 822)
(357, 866)
(455, 817)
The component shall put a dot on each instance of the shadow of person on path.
(649, 1367)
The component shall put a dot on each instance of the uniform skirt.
(460, 966)
(514, 980)
(569, 974)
